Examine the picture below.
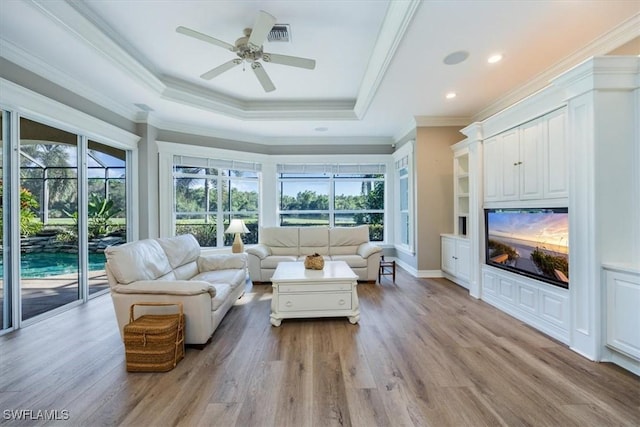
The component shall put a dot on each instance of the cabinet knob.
(341, 302)
(288, 304)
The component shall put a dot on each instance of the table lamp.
(237, 226)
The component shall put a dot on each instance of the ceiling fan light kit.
(249, 49)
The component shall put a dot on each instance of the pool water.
(45, 264)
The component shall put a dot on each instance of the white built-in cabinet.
(461, 191)
(527, 162)
(456, 247)
(574, 144)
(540, 305)
(622, 327)
(555, 181)
(456, 259)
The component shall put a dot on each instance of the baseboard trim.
(430, 274)
(421, 274)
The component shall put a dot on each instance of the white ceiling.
(379, 65)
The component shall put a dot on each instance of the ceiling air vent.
(280, 33)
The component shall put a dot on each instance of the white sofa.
(172, 270)
(349, 244)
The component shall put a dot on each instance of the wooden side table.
(387, 268)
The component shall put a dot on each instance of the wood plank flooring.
(423, 354)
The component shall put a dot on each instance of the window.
(332, 195)
(403, 179)
(403, 202)
(208, 193)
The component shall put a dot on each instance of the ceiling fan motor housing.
(246, 51)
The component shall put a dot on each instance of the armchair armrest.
(166, 287)
(365, 250)
(259, 250)
(221, 262)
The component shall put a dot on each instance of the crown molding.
(623, 33)
(433, 121)
(269, 140)
(185, 93)
(601, 72)
(49, 111)
(328, 140)
(428, 121)
(396, 21)
(206, 131)
(22, 58)
(76, 23)
(407, 131)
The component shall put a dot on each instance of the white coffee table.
(302, 293)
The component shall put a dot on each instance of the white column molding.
(269, 209)
(473, 132)
(602, 132)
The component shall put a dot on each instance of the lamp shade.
(237, 226)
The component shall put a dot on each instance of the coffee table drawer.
(321, 287)
(314, 301)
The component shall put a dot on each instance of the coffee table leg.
(275, 321)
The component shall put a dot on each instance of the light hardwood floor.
(423, 354)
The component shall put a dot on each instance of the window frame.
(268, 200)
(331, 174)
(404, 159)
(168, 151)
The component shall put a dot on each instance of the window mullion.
(332, 195)
(83, 217)
(219, 209)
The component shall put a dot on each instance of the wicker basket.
(314, 262)
(154, 342)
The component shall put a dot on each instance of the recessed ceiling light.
(321, 129)
(456, 57)
(495, 58)
(450, 95)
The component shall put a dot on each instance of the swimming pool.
(45, 264)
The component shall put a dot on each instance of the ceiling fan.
(249, 49)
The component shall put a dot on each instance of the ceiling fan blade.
(198, 35)
(263, 78)
(221, 69)
(264, 23)
(293, 61)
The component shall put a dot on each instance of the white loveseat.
(172, 270)
(349, 244)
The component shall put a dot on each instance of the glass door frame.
(19, 102)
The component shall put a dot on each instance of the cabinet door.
(623, 312)
(463, 260)
(492, 169)
(555, 156)
(448, 263)
(530, 162)
(510, 166)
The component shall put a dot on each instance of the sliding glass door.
(5, 290)
(63, 200)
(49, 257)
(106, 208)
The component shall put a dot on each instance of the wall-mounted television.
(531, 242)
